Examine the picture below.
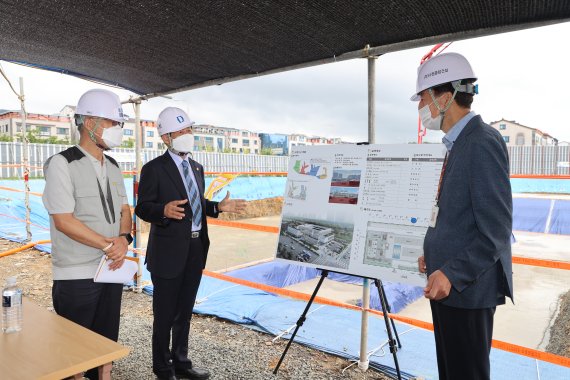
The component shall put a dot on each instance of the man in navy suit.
(171, 198)
(467, 249)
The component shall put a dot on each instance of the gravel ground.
(228, 350)
(559, 343)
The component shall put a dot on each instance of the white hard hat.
(443, 68)
(172, 119)
(101, 103)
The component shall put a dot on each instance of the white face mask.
(112, 137)
(184, 143)
(428, 121)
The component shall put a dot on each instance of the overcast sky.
(523, 76)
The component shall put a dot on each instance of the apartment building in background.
(58, 127)
(207, 138)
(62, 127)
(516, 134)
(302, 140)
(280, 144)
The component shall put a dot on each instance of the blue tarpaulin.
(530, 214)
(272, 314)
(541, 215)
(281, 275)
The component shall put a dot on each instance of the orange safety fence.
(249, 173)
(541, 263)
(255, 173)
(245, 226)
(505, 346)
(23, 247)
(541, 176)
(24, 221)
(20, 166)
(19, 191)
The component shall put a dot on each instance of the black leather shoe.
(193, 373)
(166, 377)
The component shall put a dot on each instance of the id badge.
(434, 212)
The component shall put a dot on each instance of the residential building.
(207, 138)
(55, 127)
(275, 143)
(302, 140)
(242, 141)
(516, 134)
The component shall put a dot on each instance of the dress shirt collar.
(456, 130)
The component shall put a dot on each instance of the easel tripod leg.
(389, 311)
(302, 319)
(391, 340)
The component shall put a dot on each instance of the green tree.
(266, 152)
(128, 143)
(6, 138)
(34, 137)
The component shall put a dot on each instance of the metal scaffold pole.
(364, 362)
(136, 177)
(25, 161)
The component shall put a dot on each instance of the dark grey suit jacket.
(471, 242)
(169, 239)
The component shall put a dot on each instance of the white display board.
(360, 209)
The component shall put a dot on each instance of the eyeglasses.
(185, 131)
(113, 122)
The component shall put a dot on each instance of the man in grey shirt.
(89, 217)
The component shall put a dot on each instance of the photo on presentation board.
(360, 210)
(317, 242)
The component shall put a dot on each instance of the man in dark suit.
(467, 249)
(171, 198)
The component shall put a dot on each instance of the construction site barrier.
(505, 346)
(23, 248)
(282, 173)
(271, 229)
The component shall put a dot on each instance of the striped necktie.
(195, 203)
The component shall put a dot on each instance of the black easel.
(302, 318)
(385, 311)
(391, 340)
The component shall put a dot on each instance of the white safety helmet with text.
(172, 119)
(101, 103)
(445, 68)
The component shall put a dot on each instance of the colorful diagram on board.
(318, 171)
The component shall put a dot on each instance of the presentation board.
(360, 209)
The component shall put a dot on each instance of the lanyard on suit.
(435, 208)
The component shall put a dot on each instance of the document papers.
(119, 276)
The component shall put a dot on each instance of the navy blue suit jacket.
(169, 239)
(471, 242)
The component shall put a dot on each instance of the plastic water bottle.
(11, 307)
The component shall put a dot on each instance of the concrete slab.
(542, 246)
(537, 291)
(542, 195)
(231, 247)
